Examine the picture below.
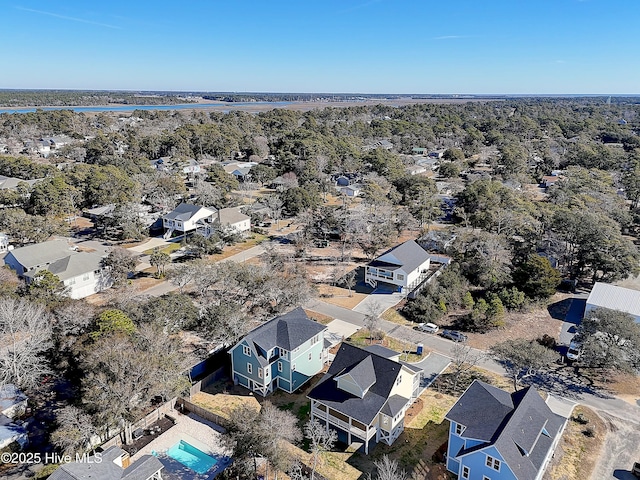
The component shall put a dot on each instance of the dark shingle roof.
(382, 351)
(524, 435)
(408, 255)
(143, 468)
(184, 212)
(362, 373)
(288, 331)
(481, 409)
(362, 409)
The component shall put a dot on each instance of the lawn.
(221, 403)
(169, 249)
(361, 339)
(392, 315)
(254, 240)
(340, 296)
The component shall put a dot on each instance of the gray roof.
(408, 255)
(41, 253)
(231, 216)
(185, 211)
(12, 183)
(288, 331)
(615, 298)
(382, 351)
(521, 425)
(76, 264)
(350, 359)
(141, 469)
(362, 373)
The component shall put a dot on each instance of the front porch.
(353, 428)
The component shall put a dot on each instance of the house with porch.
(81, 273)
(185, 217)
(364, 395)
(496, 435)
(231, 220)
(113, 464)
(282, 353)
(404, 267)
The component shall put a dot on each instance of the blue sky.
(366, 46)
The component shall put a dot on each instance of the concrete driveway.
(432, 365)
(157, 242)
(339, 330)
(572, 319)
(379, 302)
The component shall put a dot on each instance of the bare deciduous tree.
(321, 439)
(25, 334)
(74, 431)
(463, 358)
(387, 469)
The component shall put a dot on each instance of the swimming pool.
(191, 457)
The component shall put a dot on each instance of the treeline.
(71, 98)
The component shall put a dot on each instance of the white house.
(353, 190)
(81, 273)
(4, 242)
(185, 217)
(234, 220)
(404, 266)
(604, 295)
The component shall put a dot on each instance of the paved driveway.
(151, 243)
(379, 302)
(572, 319)
(432, 365)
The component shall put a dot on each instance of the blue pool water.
(191, 457)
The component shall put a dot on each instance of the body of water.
(131, 108)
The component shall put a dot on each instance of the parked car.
(573, 353)
(427, 327)
(454, 335)
(636, 469)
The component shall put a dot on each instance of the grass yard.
(361, 339)
(319, 317)
(392, 315)
(340, 296)
(169, 249)
(254, 240)
(223, 404)
(579, 448)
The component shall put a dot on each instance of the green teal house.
(496, 435)
(282, 353)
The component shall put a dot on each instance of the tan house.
(364, 395)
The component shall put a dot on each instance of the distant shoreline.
(253, 107)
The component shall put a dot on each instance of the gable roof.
(408, 256)
(41, 253)
(615, 298)
(231, 216)
(521, 425)
(287, 331)
(186, 211)
(364, 366)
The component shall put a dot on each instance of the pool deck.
(200, 433)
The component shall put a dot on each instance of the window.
(309, 356)
(259, 373)
(459, 429)
(484, 477)
(249, 368)
(85, 277)
(246, 350)
(400, 276)
(399, 380)
(279, 366)
(71, 281)
(465, 472)
(493, 463)
(293, 367)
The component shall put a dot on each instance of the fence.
(185, 405)
(143, 423)
(206, 381)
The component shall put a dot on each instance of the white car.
(573, 353)
(428, 327)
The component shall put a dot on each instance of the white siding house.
(404, 266)
(185, 217)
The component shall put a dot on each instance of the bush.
(547, 341)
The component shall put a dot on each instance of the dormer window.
(459, 429)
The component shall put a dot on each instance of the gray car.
(454, 335)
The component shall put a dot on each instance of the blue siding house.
(282, 353)
(495, 435)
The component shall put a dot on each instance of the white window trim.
(259, 373)
(462, 475)
(484, 477)
(491, 462)
(249, 368)
(280, 366)
(246, 349)
(461, 429)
